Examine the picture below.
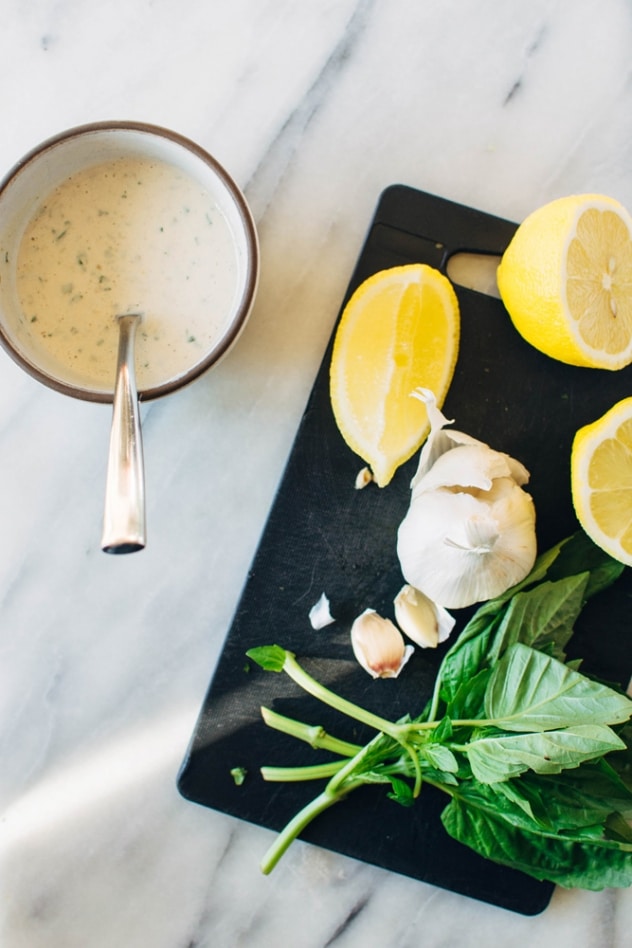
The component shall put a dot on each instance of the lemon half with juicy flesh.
(566, 281)
(601, 480)
(398, 332)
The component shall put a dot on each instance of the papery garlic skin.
(461, 548)
(471, 466)
(320, 613)
(440, 441)
(378, 645)
(469, 533)
(422, 620)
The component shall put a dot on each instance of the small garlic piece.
(378, 645)
(469, 533)
(363, 478)
(421, 619)
(320, 614)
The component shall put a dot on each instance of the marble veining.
(282, 150)
(314, 108)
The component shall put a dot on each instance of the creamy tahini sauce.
(130, 235)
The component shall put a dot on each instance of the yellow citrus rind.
(601, 480)
(398, 332)
(566, 281)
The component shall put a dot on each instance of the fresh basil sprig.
(535, 757)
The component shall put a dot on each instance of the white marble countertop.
(314, 107)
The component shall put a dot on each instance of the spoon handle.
(124, 515)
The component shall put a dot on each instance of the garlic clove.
(378, 645)
(320, 614)
(363, 478)
(421, 619)
(460, 549)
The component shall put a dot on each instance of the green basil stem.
(314, 735)
(317, 690)
(434, 706)
(335, 790)
(295, 827)
(399, 732)
(297, 774)
(348, 778)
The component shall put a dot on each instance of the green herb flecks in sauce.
(129, 235)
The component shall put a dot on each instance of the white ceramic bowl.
(26, 196)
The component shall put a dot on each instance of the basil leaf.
(476, 647)
(577, 554)
(548, 752)
(572, 799)
(443, 731)
(542, 616)
(441, 758)
(529, 691)
(401, 792)
(269, 657)
(468, 655)
(587, 864)
(468, 702)
(617, 828)
(470, 652)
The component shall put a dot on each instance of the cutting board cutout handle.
(474, 271)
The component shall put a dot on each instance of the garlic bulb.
(469, 533)
(378, 645)
(421, 619)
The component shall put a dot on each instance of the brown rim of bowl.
(252, 273)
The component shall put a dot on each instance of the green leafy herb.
(535, 757)
(239, 775)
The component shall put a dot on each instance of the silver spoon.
(124, 515)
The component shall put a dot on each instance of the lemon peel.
(566, 281)
(601, 480)
(399, 330)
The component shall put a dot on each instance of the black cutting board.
(323, 535)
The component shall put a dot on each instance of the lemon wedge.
(601, 480)
(398, 332)
(566, 281)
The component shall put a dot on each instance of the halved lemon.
(399, 331)
(566, 281)
(601, 480)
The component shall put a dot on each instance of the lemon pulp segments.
(599, 281)
(566, 279)
(601, 480)
(399, 331)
